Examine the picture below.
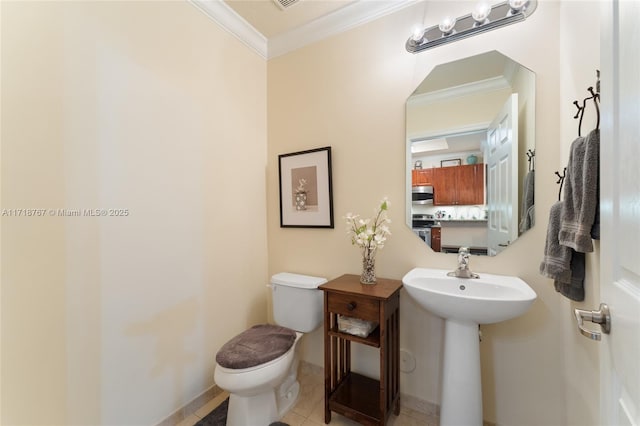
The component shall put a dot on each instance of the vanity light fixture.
(481, 13)
(418, 36)
(517, 5)
(483, 18)
(447, 25)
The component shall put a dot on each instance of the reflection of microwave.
(422, 195)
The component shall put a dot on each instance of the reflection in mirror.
(470, 135)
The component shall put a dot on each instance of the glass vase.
(368, 275)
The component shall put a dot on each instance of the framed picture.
(306, 199)
(452, 162)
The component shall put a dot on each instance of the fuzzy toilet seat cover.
(257, 345)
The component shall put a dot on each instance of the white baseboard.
(432, 410)
(191, 407)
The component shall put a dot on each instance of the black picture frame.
(307, 172)
(451, 162)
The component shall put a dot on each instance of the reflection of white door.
(620, 213)
(502, 166)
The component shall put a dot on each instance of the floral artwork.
(304, 181)
(306, 199)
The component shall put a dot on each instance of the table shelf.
(372, 339)
(365, 400)
(358, 397)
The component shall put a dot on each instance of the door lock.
(601, 316)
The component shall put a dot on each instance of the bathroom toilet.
(259, 366)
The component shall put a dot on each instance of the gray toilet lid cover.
(257, 345)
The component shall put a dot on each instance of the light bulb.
(481, 12)
(517, 5)
(418, 36)
(447, 25)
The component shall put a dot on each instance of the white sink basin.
(464, 303)
(484, 300)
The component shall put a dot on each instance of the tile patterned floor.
(309, 410)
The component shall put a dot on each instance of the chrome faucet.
(463, 271)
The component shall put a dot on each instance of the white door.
(502, 177)
(620, 213)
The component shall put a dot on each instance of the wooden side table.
(365, 400)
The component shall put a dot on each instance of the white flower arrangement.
(369, 234)
(301, 184)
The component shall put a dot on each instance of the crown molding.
(490, 84)
(351, 16)
(230, 21)
(452, 131)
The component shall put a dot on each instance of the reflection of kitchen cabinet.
(436, 238)
(421, 177)
(458, 185)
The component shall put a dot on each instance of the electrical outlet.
(407, 361)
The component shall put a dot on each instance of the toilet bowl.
(259, 366)
(261, 394)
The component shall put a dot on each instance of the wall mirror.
(470, 139)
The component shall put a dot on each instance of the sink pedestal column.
(461, 402)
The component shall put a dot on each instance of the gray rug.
(218, 417)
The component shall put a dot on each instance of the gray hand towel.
(556, 263)
(528, 190)
(563, 264)
(574, 289)
(595, 229)
(530, 220)
(581, 193)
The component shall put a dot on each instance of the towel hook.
(579, 113)
(596, 98)
(561, 181)
(531, 154)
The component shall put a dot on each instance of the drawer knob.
(351, 306)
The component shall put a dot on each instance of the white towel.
(581, 193)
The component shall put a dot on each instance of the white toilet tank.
(297, 302)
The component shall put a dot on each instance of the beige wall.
(449, 115)
(580, 44)
(145, 106)
(349, 92)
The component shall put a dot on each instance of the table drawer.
(353, 306)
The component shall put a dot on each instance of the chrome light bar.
(501, 14)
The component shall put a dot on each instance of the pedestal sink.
(465, 303)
